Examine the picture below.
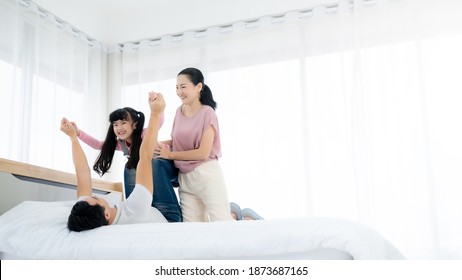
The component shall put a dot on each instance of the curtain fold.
(48, 71)
(347, 111)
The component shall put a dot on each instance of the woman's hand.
(163, 151)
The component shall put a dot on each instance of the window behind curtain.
(48, 71)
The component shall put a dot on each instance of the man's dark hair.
(85, 216)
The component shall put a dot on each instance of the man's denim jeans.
(165, 174)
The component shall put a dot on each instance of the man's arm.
(144, 167)
(80, 160)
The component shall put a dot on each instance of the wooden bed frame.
(21, 181)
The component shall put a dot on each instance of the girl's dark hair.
(196, 77)
(104, 160)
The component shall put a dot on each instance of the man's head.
(89, 213)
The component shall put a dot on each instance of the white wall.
(118, 21)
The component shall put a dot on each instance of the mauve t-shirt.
(187, 134)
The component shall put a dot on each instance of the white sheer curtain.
(47, 71)
(349, 111)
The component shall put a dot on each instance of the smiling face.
(186, 90)
(124, 122)
(123, 129)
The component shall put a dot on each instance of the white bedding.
(37, 230)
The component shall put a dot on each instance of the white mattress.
(37, 230)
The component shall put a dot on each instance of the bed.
(37, 230)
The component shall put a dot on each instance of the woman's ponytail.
(207, 97)
(196, 77)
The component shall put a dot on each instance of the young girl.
(195, 149)
(125, 134)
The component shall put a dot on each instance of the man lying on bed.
(89, 211)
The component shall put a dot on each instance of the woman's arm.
(166, 142)
(201, 153)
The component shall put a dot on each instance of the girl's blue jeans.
(165, 175)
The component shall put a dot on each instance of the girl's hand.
(76, 128)
(68, 128)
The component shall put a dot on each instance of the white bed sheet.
(37, 230)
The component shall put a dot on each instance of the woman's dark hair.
(196, 77)
(104, 160)
(85, 216)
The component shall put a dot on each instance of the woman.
(195, 149)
